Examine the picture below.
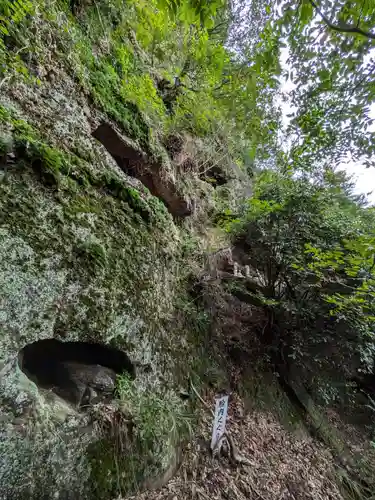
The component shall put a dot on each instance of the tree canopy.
(308, 237)
(311, 245)
(331, 65)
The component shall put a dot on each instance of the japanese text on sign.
(221, 411)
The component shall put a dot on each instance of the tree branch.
(343, 28)
(216, 29)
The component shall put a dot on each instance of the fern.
(15, 10)
(12, 12)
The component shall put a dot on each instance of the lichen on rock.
(80, 261)
(88, 253)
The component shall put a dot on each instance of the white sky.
(364, 177)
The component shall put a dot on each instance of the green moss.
(140, 441)
(105, 233)
(47, 161)
(51, 165)
(114, 472)
(159, 210)
(105, 86)
(98, 243)
(4, 146)
(5, 115)
(114, 186)
(93, 254)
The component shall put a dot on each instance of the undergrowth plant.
(119, 52)
(357, 482)
(138, 441)
(159, 419)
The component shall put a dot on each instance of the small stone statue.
(84, 384)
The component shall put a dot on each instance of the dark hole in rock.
(137, 164)
(80, 372)
(215, 176)
(174, 144)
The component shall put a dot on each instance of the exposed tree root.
(231, 450)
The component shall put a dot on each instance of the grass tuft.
(138, 438)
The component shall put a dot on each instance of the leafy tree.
(312, 250)
(331, 64)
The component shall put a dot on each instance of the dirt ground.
(282, 464)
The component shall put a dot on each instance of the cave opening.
(80, 372)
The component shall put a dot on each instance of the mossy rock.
(83, 257)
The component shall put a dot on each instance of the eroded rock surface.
(78, 262)
(150, 173)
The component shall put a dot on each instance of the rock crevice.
(150, 172)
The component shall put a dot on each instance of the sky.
(363, 177)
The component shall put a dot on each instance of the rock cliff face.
(98, 219)
(87, 254)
